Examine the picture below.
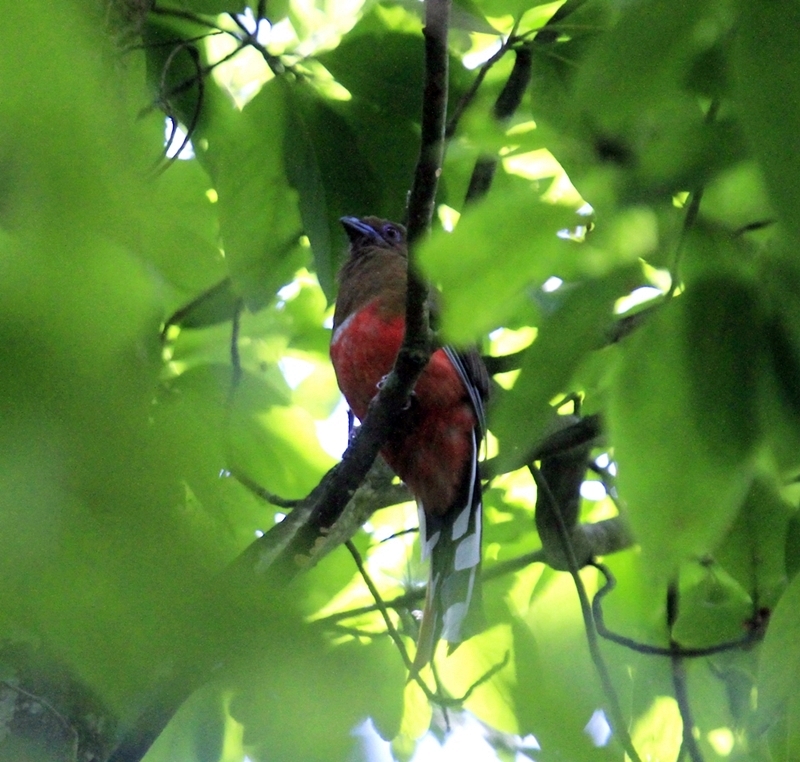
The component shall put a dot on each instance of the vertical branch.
(422, 197)
(689, 743)
(617, 718)
(507, 103)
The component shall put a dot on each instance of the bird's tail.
(453, 606)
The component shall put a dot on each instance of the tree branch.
(422, 198)
(678, 668)
(755, 631)
(615, 710)
(504, 108)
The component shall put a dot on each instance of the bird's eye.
(391, 234)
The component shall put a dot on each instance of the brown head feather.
(377, 266)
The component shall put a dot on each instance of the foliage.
(152, 310)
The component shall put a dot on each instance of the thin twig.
(259, 491)
(467, 98)
(390, 628)
(678, 669)
(752, 636)
(617, 717)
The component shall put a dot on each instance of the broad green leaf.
(722, 354)
(550, 652)
(753, 552)
(326, 167)
(657, 733)
(783, 737)
(639, 63)
(492, 702)
(275, 446)
(196, 733)
(183, 235)
(737, 197)
(557, 60)
(683, 420)
(385, 111)
(565, 337)
(304, 173)
(215, 305)
(501, 247)
(394, 77)
(713, 607)
(304, 701)
(768, 97)
(779, 664)
(259, 221)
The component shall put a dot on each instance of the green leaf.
(276, 446)
(550, 652)
(259, 220)
(767, 48)
(325, 166)
(501, 247)
(683, 420)
(779, 663)
(384, 112)
(723, 360)
(216, 305)
(639, 63)
(713, 607)
(395, 74)
(306, 699)
(754, 551)
(183, 234)
(565, 337)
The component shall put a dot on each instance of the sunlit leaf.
(684, 422)
(564, 339)
(484, 268)
(259, 220)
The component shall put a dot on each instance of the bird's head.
(372, 232)
(377, 266)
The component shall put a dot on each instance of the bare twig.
(753, 634)
(615, 710)
(259, 491)
(390, 628)
(467, 98)
(422, 197)
(678, 668)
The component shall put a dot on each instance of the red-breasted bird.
(434, 449)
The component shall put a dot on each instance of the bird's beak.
(357, 230)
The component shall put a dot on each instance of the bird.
(434, 448)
